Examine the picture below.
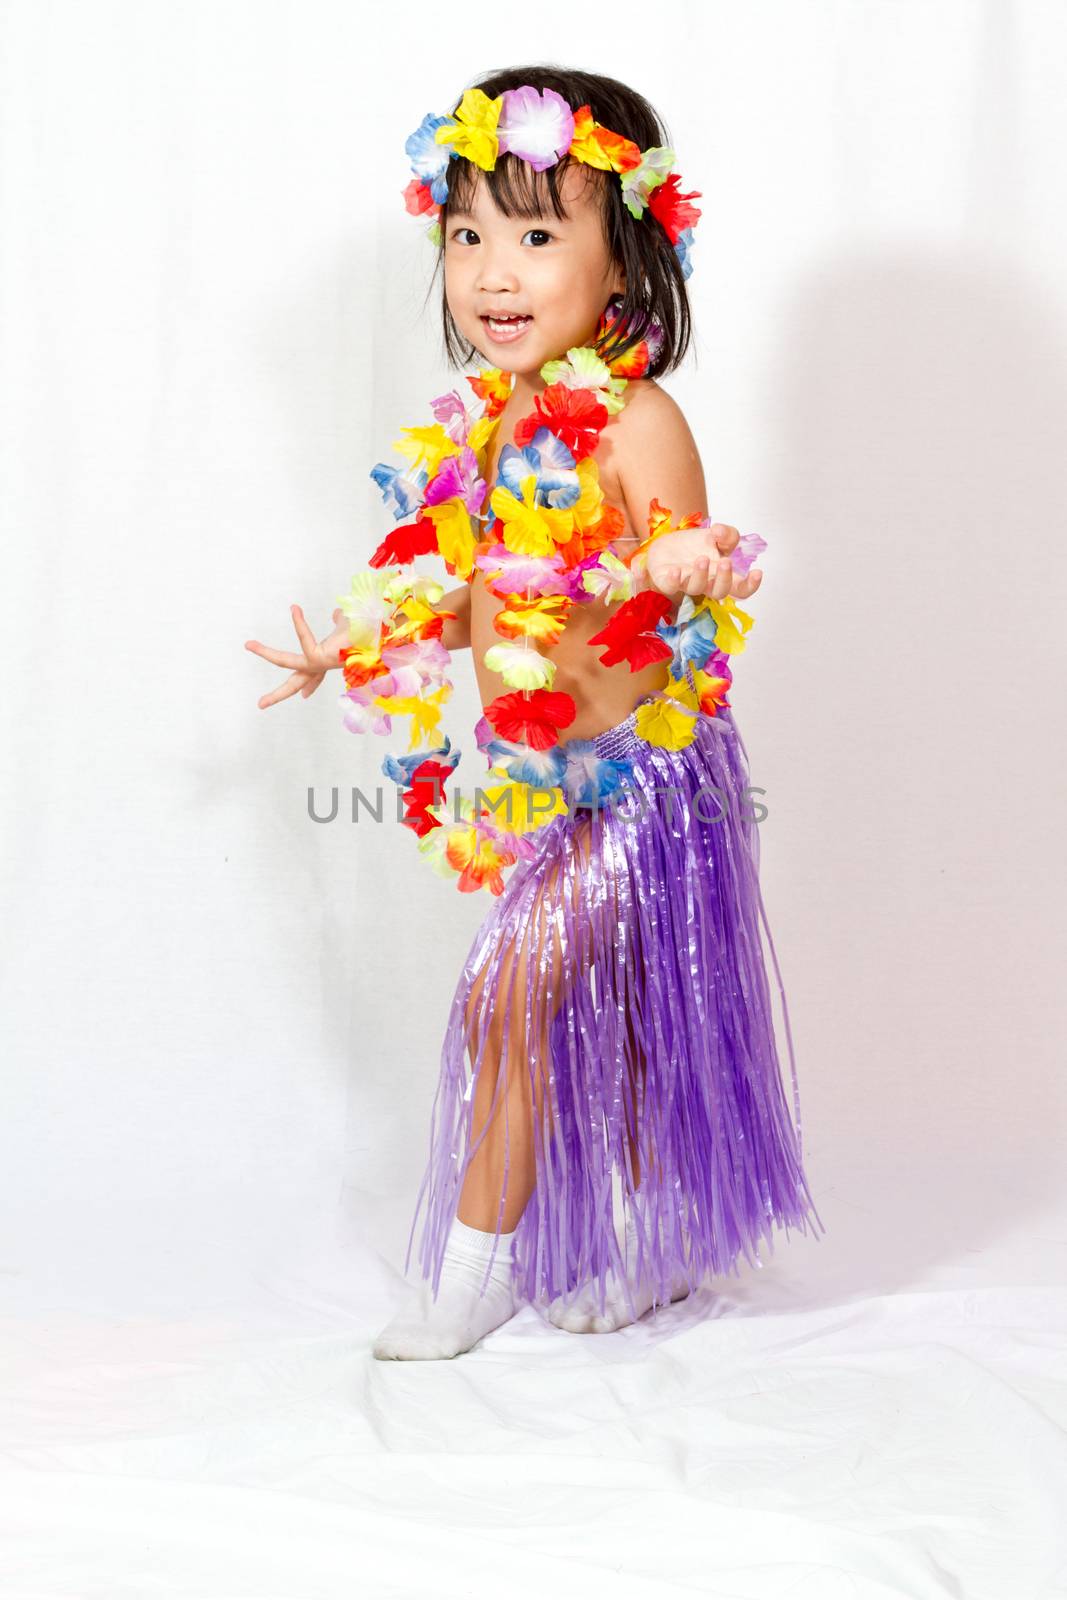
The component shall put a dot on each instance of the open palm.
(696, 561)
(308, 669)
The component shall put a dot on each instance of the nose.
(496, 271)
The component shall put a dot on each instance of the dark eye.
(540, 233)
(463, 230)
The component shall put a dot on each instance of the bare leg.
(582, 1314)
(509, 1060)
(512, 1080)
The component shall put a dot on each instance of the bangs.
(514, 186)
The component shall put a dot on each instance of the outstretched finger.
(277, 658)
(307, 639)
(283, 691)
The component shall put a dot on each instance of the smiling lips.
(506, 329)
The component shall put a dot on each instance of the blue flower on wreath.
(403, 493)
(400, 768)
(429, 160)
(590, 779)
(691, 638)
(541, 769)
(551, 463)
(682, 249)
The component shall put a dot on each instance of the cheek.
(456, 281)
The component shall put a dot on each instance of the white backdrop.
(221, 1021)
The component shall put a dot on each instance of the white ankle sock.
(467, 1252)
(437, 1329)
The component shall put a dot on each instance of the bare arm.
(308, 669)
(456, 633)
(659, 460)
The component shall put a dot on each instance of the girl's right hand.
(308, 669)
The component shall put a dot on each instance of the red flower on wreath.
(401, 545)
(672, 209)
(419, 200)
(631, 634)
(573, 415)
(534, 719)
(427, 789)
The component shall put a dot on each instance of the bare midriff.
(603, 696)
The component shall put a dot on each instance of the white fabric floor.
(767, 1439)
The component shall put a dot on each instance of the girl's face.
(554, 274)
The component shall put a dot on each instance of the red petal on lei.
(631, 636)
(672, 209)
(534, 719)
(418, 198)
(401, 545)
(427, 789)
(571, 414)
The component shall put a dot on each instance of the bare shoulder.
(651, 423)
(648, 408)
(654, 453)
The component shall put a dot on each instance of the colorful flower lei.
(544, 547)
(541, 128)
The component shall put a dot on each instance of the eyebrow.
(536, 216)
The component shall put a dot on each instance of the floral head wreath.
(541, 128)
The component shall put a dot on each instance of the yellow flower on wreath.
(429, 444)
(731, 624)
(530, 529)
(424, 711)
(455, 535)
(511, 806)
(472, 133)
(665, 725)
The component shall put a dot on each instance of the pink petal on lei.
(457, 479)
(449, 410)
(537, 128)
(428, 657)
(543, 574)
(361, 715)
(748, 547)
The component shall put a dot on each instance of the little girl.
(610, 1044)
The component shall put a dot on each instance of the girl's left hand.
(697, 561)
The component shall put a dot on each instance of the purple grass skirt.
(615, 999)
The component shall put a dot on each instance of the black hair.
(655, 283)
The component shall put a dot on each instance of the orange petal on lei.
(587, 541)
(493, 385)
(414, 619)
(542, 618)
(599, 147)
(361, 664)
(711, 692)
(477, 860)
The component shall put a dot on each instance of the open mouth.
(506, 329)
